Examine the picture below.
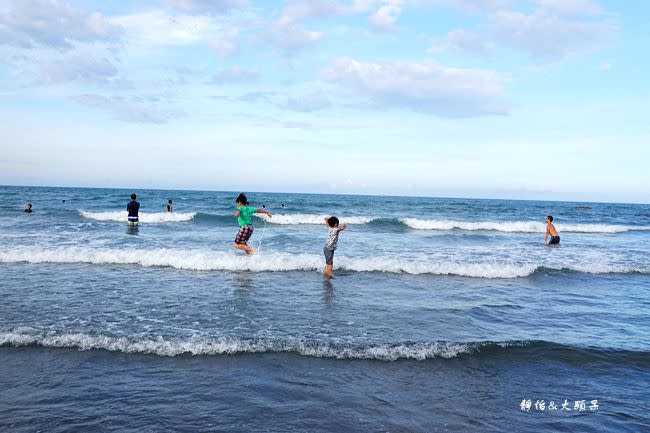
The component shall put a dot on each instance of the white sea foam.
(295, 219)
(515, 226)
(277, 262)
(145, 217)
(230, 345)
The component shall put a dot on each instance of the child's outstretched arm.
(343, 227)
(264, 211)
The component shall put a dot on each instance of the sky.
(522, 99)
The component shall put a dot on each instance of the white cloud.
(547, 35)
(571, 7)
(307, 103)
(291, 37)
(288, 32)
(227, 44)
(81, 68)
(52, 23)
(235, 74)
(160, 28)
(464, 42)
(205, 6)
(426, 87)
(473, 5)
(554, 30)
(305, 10)
(131, 109)
(384, 18)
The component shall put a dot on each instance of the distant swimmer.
(331, 243)
(243, 214)
(282, 205)
(28, 209)
(169, 206)
(552, 232)
(133, 207)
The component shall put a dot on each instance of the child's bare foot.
(250, 251)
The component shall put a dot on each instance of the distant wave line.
(145, 217)
(516, 226)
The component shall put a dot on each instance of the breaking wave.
(144, 217)
(279, 262)
(231, 345)
(296, 219)
(515, 226)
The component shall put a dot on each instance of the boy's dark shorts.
(554, 240)
(244, 234)
(329, 256)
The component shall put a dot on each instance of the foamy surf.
(283, 262)
(516, 226)
(144, 217)
(298, 219)
(230, 346)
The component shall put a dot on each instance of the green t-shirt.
(245, 213)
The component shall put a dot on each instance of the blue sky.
(539, 99)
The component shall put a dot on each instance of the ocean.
(443, 315)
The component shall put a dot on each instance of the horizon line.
(334, 194)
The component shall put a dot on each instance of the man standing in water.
(133, 207)
(552, 232)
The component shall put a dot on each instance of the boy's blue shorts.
(329, 256)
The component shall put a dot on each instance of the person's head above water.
(549, 218)
(169, 201)
(29, 205)
(333, 221)
(133, 197)
(241, 199)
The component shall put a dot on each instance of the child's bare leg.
(329, 270)
(244, 248)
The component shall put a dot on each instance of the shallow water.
(444, 314)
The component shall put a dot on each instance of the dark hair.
(332, 221)
(29, 204)
(169, 201)
(132, 196)
(550, 217)
(241, 198)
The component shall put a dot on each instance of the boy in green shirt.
(243, 215)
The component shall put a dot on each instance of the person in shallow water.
(552, 232)
(243, 214)
(331, 243)
(28, 209)
(133, 207)
(169, 206)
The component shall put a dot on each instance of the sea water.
(443, 314)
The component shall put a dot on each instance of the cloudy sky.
(540, 99)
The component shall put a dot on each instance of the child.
(331, 243)
(551, 231)
(28, 209)
(169, 206)
(133, 207)
(243, 215)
